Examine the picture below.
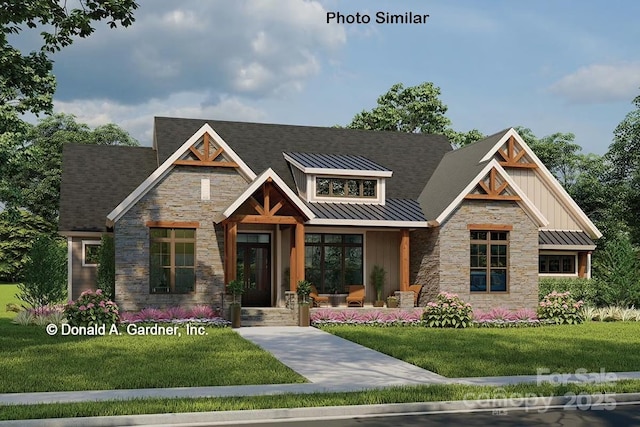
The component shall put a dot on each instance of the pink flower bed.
(202, 314)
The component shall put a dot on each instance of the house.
(213, 201)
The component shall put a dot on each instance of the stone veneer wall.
(175, 198)
(522, 291)
(424, 263)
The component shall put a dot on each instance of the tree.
(617, 267)
(31, 167)
(26, 82)
(107, 266)
(624, 175)
(18, 230)
(415, 109)
(45, 276)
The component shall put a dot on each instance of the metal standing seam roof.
(564, 238)
(393, 210)
(336, 161)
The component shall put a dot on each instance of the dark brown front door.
(254, 268)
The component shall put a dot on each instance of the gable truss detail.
(207, 155)
(513, 156)
(493, 187)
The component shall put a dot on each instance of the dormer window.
(338, 178)
(345, 187)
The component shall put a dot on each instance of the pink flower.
(82, 308)
(90, 305)
(99, 292)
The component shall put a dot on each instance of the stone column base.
(405, 298)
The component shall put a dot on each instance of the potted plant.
(392, 302)
(235, 288)
(378, 275)
(303, 290)
(334, 298)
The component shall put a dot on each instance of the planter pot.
(303, 315)
(393, 303)
(335, 300)
(235, 312)
(378, 303)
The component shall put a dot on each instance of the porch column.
(230, 251)
(299, 252)
(589, 265)
(404, 260)
(293, 284)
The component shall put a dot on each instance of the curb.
(540, 404)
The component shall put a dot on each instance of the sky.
(549, 65)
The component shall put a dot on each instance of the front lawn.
(483, 352)
(31, 360)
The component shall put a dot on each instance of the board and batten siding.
(301, 181)
(383, 249)
(544, 199)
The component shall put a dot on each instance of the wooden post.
(293, 284)
(582, 264)
(233, 251)
(226, 253)
(404, 260)
(300, 252)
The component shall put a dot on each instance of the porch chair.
(356, 296)
(317, 299)
(416, 293)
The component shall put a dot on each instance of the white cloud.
(257, 48)
(138, 119)
(600, 83)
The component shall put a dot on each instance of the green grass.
(31, 360)
(8, 293)
(426, 393)
(511, 351)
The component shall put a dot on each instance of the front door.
(254, 268)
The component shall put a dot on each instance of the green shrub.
(107, 266)
(588, 290)
(447, 311)
(92, 308)
(45, 273)
(560, 308)
(617, 268)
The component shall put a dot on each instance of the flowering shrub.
(448, 311)
(201, 314)
(92, 308)
(504, 318)
(560, 308)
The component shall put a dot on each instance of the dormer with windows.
(338, 178)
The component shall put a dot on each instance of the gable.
(203, 148)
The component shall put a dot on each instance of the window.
(172, 260)
(90, 253)
(559, 264)
(333, 261)
(345, 187)
(489, 261)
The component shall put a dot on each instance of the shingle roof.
(393, 210)
(411, 157)
(454, 173)
(336, 161)
(96, 178)
(564, 238)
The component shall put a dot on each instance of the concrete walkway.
(330, 363)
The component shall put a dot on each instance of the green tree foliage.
(26, 82)
(414, 109)
(107, 266)
(31, 166)
(45, 274)
(617, 269)
(624, 176)
(18, 231)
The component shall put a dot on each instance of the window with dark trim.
(345, 187)
(559, 264)
(333, 261)
(172, 260)
(489, 261)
